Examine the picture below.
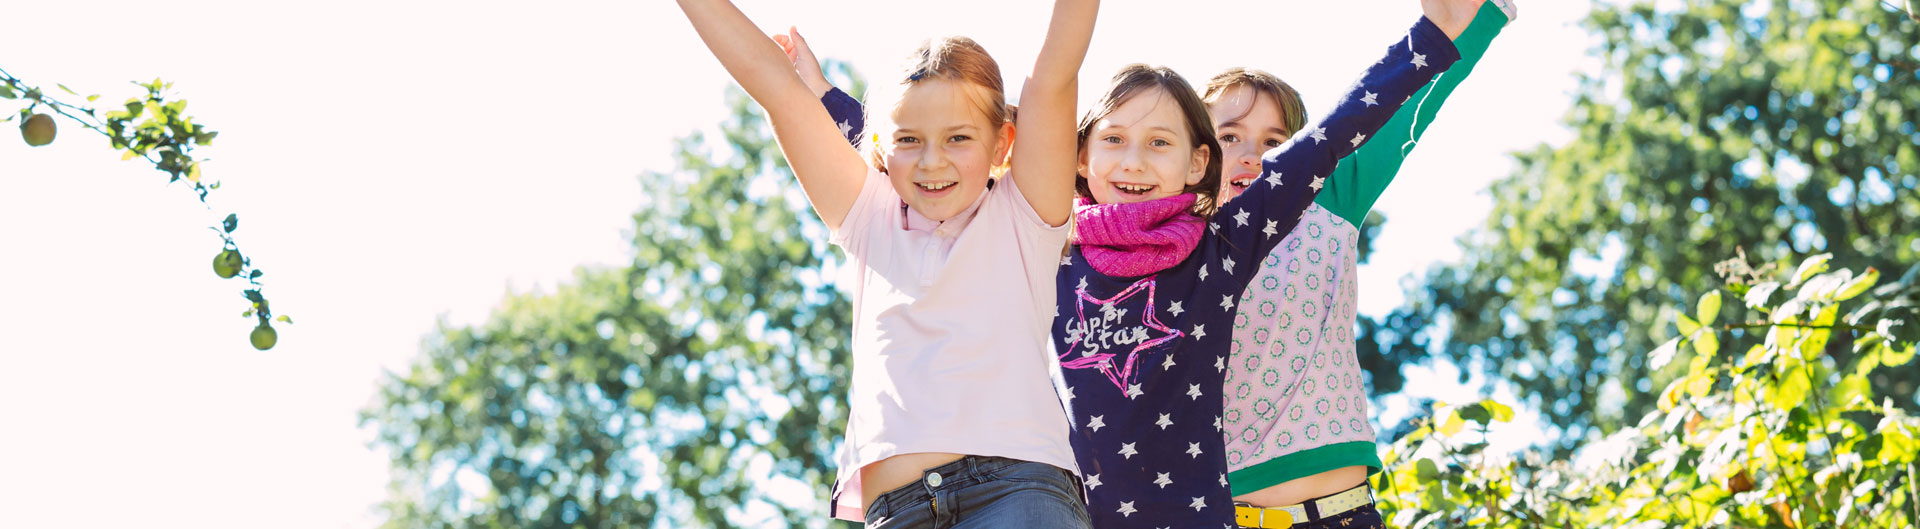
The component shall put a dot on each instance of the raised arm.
(847, 112)
(1362, 177)
(1046, 155)
(830, 171)
(1294, 173)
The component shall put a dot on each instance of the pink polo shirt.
(950, 334)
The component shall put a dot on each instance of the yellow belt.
(1283, 517)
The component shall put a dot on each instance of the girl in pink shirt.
(953, 418)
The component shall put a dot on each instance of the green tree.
(153, 127)
(669, 393)
(1768, 430)
(1781, 127)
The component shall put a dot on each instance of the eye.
(1111, 139)
(906, 139)
(1160, 142)
(1229, 138)
(959, 138)
(1275, 142)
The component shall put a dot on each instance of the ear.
(1198, 169)
(1003, 151)
(1082, 169)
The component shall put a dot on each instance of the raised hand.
(1453, 16)
(804, 63)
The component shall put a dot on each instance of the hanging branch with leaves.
(154, 128)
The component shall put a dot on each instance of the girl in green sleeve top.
(1299, 444)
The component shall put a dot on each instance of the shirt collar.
(949, 228)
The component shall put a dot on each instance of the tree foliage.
(1781, 127)
(684, 390)
(1765, 429)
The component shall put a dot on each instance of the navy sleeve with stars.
(846, 112)
(1294, 172)
(1140, 367)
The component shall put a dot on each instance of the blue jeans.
(979, 491)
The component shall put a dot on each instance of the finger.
(799, 42)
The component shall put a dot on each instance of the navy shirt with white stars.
(1143, 358)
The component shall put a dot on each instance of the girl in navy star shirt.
(1149, 289)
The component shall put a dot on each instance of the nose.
(1133, 161)
(931, 158)
(1249, 156)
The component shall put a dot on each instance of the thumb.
(799, 42)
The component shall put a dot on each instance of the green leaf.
(1476, 413)
(1895, 356)
(1709, 308)
(1707, 344)
(64, 88)
(6, 92)
(232, 221)
(1687, 325)
(1426, 471)
(284, 319)
(1500, 412)
(1813, 265)
(1858, 285)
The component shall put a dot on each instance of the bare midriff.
(1300, 490)
(891, 473)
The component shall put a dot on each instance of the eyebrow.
(1275, 130)
(960, 128)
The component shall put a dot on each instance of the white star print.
(1359, 139)
(1419, 61)
(1318, 183)
(1274, 178)
(1167, 364)
(1083, 282)
(1175, 309)
(1066, 260)
(1126, 509)
(1198, 503)
(1273, 228)
(845, 128)
(1070, 396)
(1220, 364)
(1133, 390)
(1199, 331)
(1097, 422)
(1126, 450)
(1223, 480)
(1226, 302)
(1093, 482)
(1166, 419)
(1319, 135)
(1193, 449)
(1240, 218)
(1162, 480)
(1216, 423)
(1203, 272)
(1227, 265)
(1193, 390)
(1370, 99)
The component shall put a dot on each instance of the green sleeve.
(1361, 177)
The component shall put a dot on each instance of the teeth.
(935, 186)
(1134, 188)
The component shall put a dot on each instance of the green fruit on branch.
(227, 264)
(263, 337)
(38, 130)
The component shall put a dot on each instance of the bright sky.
(393, 163)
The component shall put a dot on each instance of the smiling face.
(1248, 123)
(943, 147)
(1143, 150)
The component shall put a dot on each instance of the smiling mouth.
(1241, 182)
(934, 186)
(1134, 189)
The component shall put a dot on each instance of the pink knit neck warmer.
(1131, 240)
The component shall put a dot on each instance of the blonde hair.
(952, 59)
(1293, 113)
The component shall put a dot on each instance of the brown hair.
(1135, 79)
(1293, 113)
(953, 59)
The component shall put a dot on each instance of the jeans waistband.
(959, 473)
